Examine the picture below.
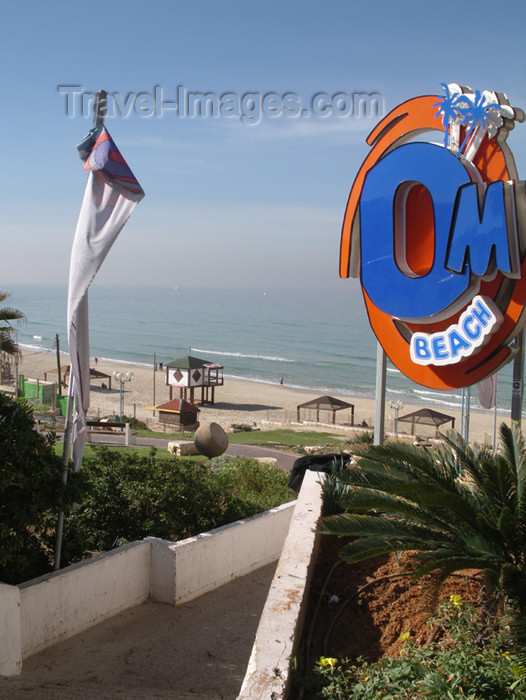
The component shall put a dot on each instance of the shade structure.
(93, 373)
(325, 403)
(427, 416)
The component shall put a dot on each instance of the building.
(190, 373)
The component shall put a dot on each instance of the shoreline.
(244, 401)
(347, 394)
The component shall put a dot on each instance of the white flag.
(112, 192)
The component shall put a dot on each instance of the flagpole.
(100, 108)
(65, 461)
(99, 112)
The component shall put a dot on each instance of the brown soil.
(369, 624)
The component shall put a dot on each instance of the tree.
(457, 507)
(31, 494)
(7, 315)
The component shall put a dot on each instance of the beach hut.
(178, 412)
(427, 416)
(190, 373)
(325, 403)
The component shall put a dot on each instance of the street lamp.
(122, 377)
(396, 406)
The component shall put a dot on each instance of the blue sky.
(227, 203)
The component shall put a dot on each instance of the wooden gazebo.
(427, 416)
(325, 403)
(93, 374)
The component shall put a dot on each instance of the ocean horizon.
(317, 340)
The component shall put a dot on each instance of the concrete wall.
(214, 558)
(281, 623)
(10, 633)
(61, 604)
(56, 606)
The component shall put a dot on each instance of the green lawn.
(284, 437)
(266, 438)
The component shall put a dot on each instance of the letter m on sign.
(484, 237)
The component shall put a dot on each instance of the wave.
(322, 390)
(136, 363)
(390, 390)
(36, 348)
(269, 358)
(437, 396)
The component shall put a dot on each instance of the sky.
(239, 201)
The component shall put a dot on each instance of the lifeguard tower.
(190, 373)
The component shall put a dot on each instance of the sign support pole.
(379, 408)
(517, 391)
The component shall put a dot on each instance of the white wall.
(281, 623)
(56, 606)
(239, 547)
(10, 633)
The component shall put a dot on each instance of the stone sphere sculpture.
(211, 440)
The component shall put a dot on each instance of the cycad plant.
(458, 507)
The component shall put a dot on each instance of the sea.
(312, 339)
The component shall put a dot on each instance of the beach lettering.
(460, 339)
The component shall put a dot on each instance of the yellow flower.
(327, 661)
(403, 636)
(456, 599)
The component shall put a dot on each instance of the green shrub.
(31, 494)
(334, 489)
(130, 497)
(470, 659)
(135, 423)
(363, 436)
(456, 507)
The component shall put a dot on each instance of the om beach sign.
(436, 231)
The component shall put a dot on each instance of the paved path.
(284, 459)
(198, 650)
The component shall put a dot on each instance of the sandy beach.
(238, 401)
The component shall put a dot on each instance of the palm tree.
(458, 507)
(7, 315)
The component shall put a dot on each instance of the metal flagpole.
(65, 458)
(154, 372)
(379, 409)
(57, 343)
(99, 112)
